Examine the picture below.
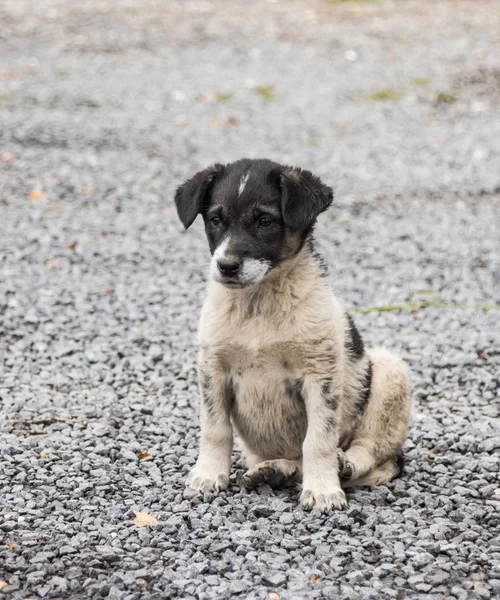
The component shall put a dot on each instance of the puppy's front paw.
(206, 482)
(323, 501)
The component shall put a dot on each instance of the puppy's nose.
(228, 266)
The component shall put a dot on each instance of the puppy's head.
(257, 214)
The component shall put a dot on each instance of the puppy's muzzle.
(228, 267)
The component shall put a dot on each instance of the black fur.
(304, 197)
(365, 392)
(287, 199)
(319, 259)
(400, 464)
(193, 194)
(354, 343)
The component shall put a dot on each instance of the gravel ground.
(104, 108)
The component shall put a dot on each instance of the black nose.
(228, 267)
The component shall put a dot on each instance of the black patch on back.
(366, 389)
(353, 343)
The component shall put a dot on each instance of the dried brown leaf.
(142, 519)
(314, 578)
(35, 195)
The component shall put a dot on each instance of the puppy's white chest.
(268, 410)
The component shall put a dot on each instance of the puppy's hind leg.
(379, 475)
(274, 472)
(374, 454)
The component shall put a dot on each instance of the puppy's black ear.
(192, 196)
(303, 197)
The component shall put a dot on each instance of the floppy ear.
(303, 197)
(191, 196)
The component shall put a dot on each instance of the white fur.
(219, 253)
(252, 270)
(243, 182)
(254, 342)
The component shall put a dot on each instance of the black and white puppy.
(280, 360)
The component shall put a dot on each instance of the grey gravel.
(104, 108)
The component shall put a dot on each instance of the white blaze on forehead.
(243, 182)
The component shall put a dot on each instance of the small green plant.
(423, 305)
(420, 81)
(266, 92)
(385, 95)
(5, 97)
(224, 97)
(345, 1)
(446, 97)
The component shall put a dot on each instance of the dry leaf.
(142, 519)
(7, 157)
(72, 245)
(11, 546)
(314, 578)
(274, 596)
(35, 195)
(3, 584)
(143, 454)
(10, 75)
(227, 123)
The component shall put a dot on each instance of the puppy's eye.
(265, 222)
(215, 221)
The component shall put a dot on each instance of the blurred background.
(105, 107)
(108, 105)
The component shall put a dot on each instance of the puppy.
(280, 361)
